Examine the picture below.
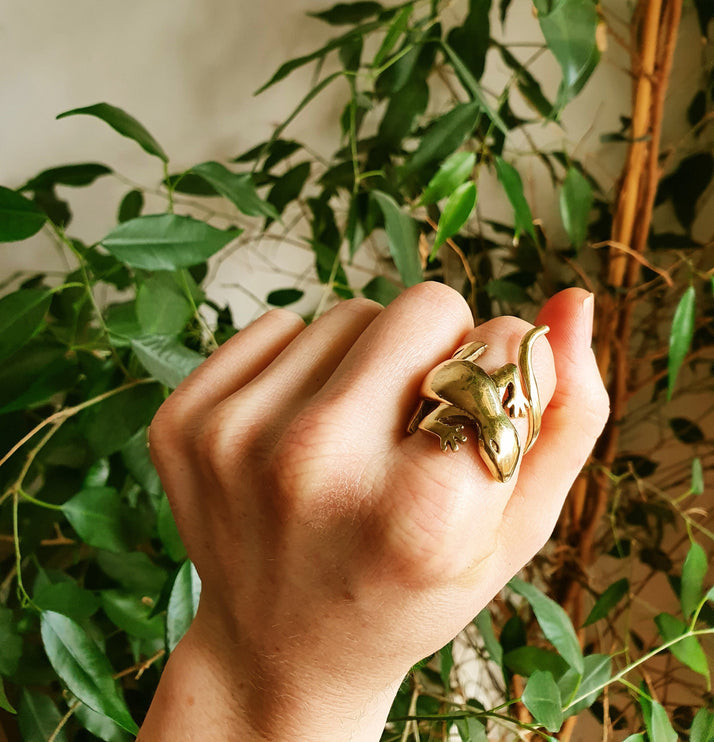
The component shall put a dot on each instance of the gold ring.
(457, 392)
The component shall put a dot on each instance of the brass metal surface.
(458, 392)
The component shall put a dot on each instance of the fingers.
(310, 359)
(232, 366)
(575, 418)
(455, 505)
(378, 380)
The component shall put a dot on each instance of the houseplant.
(96, 589)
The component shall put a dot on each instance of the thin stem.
(90, 295)
(24, 597)
(39, 503)
(60, 416)
(63, 721)
(169, 189)
(645, 658)
(189, 296)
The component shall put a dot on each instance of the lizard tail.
(530, 386)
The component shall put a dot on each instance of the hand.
(335, 551)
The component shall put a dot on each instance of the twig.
(63, 721)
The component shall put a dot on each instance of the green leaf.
(446, 664)
(576, 201)
(136, 457)
(504, 290)
(183, 604)
(21, 316)
(35, 372)
(403, 238)
(131, 206)
(130, 613)
(122, 123)
(288, 187)
(381, 290)
(67, 598)
(512, 184)
(101, 518)
(398, 27)
(471, 730)
(403, 110)
(4, 702)
(694, 571)
(471, 40)
(608, 600)
(688, 651)
(686, 430)
(554, 622)
(165, 358)
(597, 671)
(20, 218)
(347, 14)
(38, 717)
(697, 487)
(473, 88)
(109, 425)
(569, 28)
(657, 724)
(82, 174)
(290, 66)
(100, 726)
(134, 571)
(635, 738)
(166, 241)
(456, 213)
(453, 172)
(238, 188)
(702, 727)
(542, 698)
(169, 533)
(83, 668)
(680, 336)
(444, 136)
(527, 85)
(686, 185)
(527, 660)
(313, 93)
(484, 624)
(162, 306)
(10, 642)
(283, 297)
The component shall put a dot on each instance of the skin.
(336, 551)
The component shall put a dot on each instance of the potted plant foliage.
(95, 587)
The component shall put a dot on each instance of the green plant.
(96, 589)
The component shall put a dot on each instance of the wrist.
(211, 689)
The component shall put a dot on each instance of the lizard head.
(500, 448)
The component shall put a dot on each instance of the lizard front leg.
(449, 434)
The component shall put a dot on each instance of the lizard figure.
(459, 390)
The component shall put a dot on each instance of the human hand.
(334, 550)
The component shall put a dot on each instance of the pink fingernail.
(588, 314)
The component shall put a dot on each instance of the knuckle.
(360, 305)
(217, 443)
(444, 298)
(281, 316)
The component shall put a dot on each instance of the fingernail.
(588, 314)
